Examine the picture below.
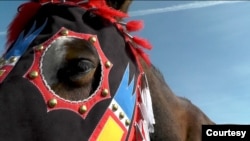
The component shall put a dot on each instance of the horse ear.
(122, 5)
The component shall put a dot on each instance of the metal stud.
(2, 72)
(82, 109)
(39, 48)
(64, 32)
(105, 92)
(13, 59)
(92, 39)
(33, 74)
(127, 122)
(108, 64)
(114, 107)
(52, 103)
(121, 115)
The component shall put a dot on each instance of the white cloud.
(192, 5)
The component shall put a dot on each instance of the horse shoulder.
(195, 119)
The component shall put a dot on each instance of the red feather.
(144, 56)
(142, 42)
(109, 12)
(139, 52)
(134, 25)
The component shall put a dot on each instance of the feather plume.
(142, 42)
(144, 55)
(110, 13)
(25, 12)
(134, 25)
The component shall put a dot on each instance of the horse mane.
(187, 104)
(159, 74)
(99, 7)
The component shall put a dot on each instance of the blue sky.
(202, 48)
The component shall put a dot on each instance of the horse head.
(76, 61)
(72, 71)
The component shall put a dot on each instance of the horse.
(73, 71)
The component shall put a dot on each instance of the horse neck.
(156, 81)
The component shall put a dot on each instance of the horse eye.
(74, 69)
(84, 66)
(79, 67)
